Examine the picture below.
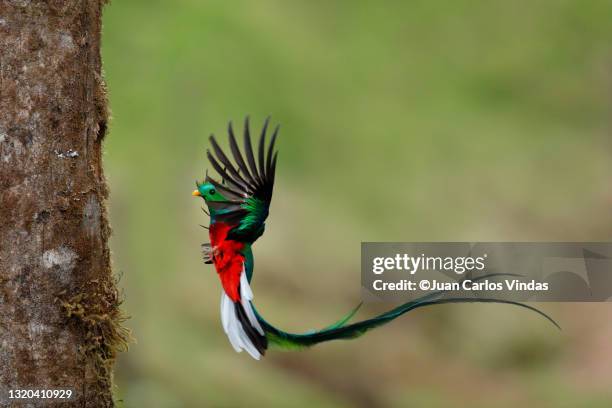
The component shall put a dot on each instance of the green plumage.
(256, 213)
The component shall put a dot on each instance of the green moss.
(95, 313)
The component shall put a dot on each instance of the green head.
(208, 192)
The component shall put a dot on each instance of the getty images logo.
(413, 264)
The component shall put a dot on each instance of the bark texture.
(59, 315)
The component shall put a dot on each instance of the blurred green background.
(401, 121)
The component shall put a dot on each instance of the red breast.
(228, 260)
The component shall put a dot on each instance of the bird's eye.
(212, 191)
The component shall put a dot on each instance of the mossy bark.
(59, 315)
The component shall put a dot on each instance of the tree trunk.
(59, 316)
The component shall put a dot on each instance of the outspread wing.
(247, 181)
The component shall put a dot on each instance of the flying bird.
(238, 205)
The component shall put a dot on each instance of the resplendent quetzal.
(238, 207)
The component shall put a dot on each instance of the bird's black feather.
(238, 157)
(259, 341)
(248, 149)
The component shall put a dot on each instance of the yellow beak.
(196, 193)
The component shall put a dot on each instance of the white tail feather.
(232, 326)
(228, 319)
(247, 296)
